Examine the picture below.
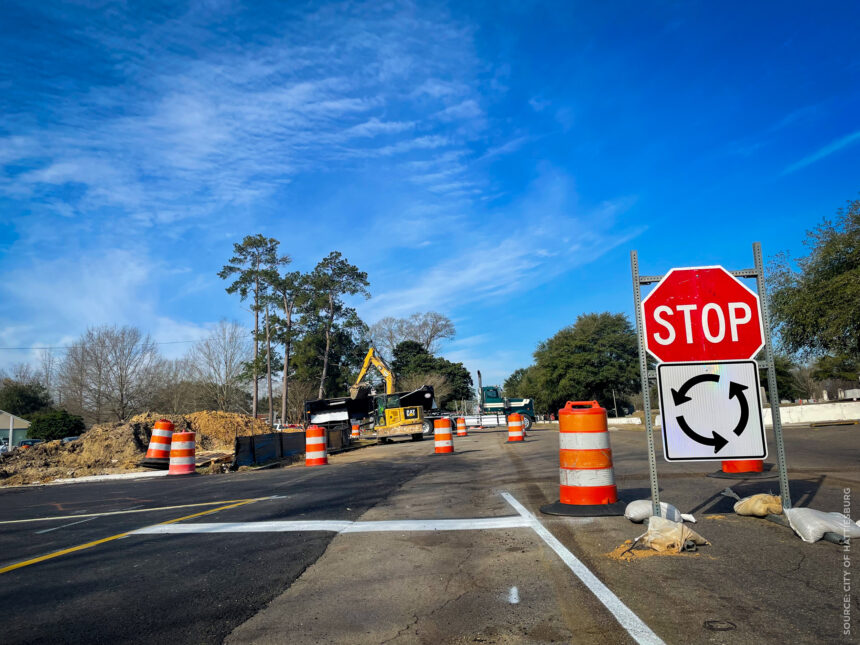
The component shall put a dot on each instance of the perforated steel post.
(773, 393)
(646, 389)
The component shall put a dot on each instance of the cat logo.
(411, 413)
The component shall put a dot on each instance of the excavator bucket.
(359, 391)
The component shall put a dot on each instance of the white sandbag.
(640, 510)
(811, 525)
(666, 535)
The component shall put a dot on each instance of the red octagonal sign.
(702, 314)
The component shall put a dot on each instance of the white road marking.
(339, 526)
(56, 528)
(638, 630)
(514, 596)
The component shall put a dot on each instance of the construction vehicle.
(392, 414)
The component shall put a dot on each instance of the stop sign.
(702, 314)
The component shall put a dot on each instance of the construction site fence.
(259, 449)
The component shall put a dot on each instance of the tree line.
(306, 342)
(815, 307)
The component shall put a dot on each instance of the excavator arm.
(373, 358)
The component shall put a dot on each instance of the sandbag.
(811, 525)
(640, 510)
(666, 535)
(760, 505)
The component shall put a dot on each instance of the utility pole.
(614, 404)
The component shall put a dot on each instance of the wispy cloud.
(826, 151)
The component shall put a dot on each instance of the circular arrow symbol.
(736, 390)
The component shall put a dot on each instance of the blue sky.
(494, 161)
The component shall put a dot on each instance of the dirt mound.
(105, 448)
(118, 447)
(180, 422)
(218, 430)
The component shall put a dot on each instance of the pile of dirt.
(105, 448)
(118, 447)
(218, 430)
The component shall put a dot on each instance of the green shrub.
(55, 424)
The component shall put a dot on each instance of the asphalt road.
(757, 582)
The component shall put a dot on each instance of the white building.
(14, 426)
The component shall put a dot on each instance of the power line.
(163, 342)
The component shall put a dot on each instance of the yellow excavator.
(392, 419)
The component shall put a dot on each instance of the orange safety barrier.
(587, 481)
(158, 452)
(515, 427)
(461, 428)
(356, 432)
(182, 454)
(443, 439)
(315, 450)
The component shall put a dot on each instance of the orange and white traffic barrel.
(315, 451)
(444, 440)
(743, 469)
(182, 454)
(356, 432)
(461, 427)
(158, 452)
(587, 480)
(515, 427)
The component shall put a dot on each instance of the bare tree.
(289, 294)
(428, 329)
(300, 391)
(441, 387)
(48, 366)
(218, 361)
(110, 372)
(133, 366)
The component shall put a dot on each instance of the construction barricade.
(515, 427)
(442, 435)
(587, 481)
(743, 469)
(315, 450)
(182, 454)
(158, 452)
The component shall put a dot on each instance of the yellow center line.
(135, 510)
(81, 547)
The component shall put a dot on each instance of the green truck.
(493, 406)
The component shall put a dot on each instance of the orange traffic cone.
(158, 452)
(461, 427)
(356, 433)
(587, 481)
(182, 454)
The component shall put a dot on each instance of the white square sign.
(711, 411)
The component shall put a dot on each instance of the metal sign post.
(643, 368)
(767, 364)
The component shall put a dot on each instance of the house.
(17, 426)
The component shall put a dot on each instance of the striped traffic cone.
(744, 469)
(587, 481)
(315, 451)
(461, 427)
(443, 439)
(182, 454)
(158, 452)
(515, 427)
(355, 435)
